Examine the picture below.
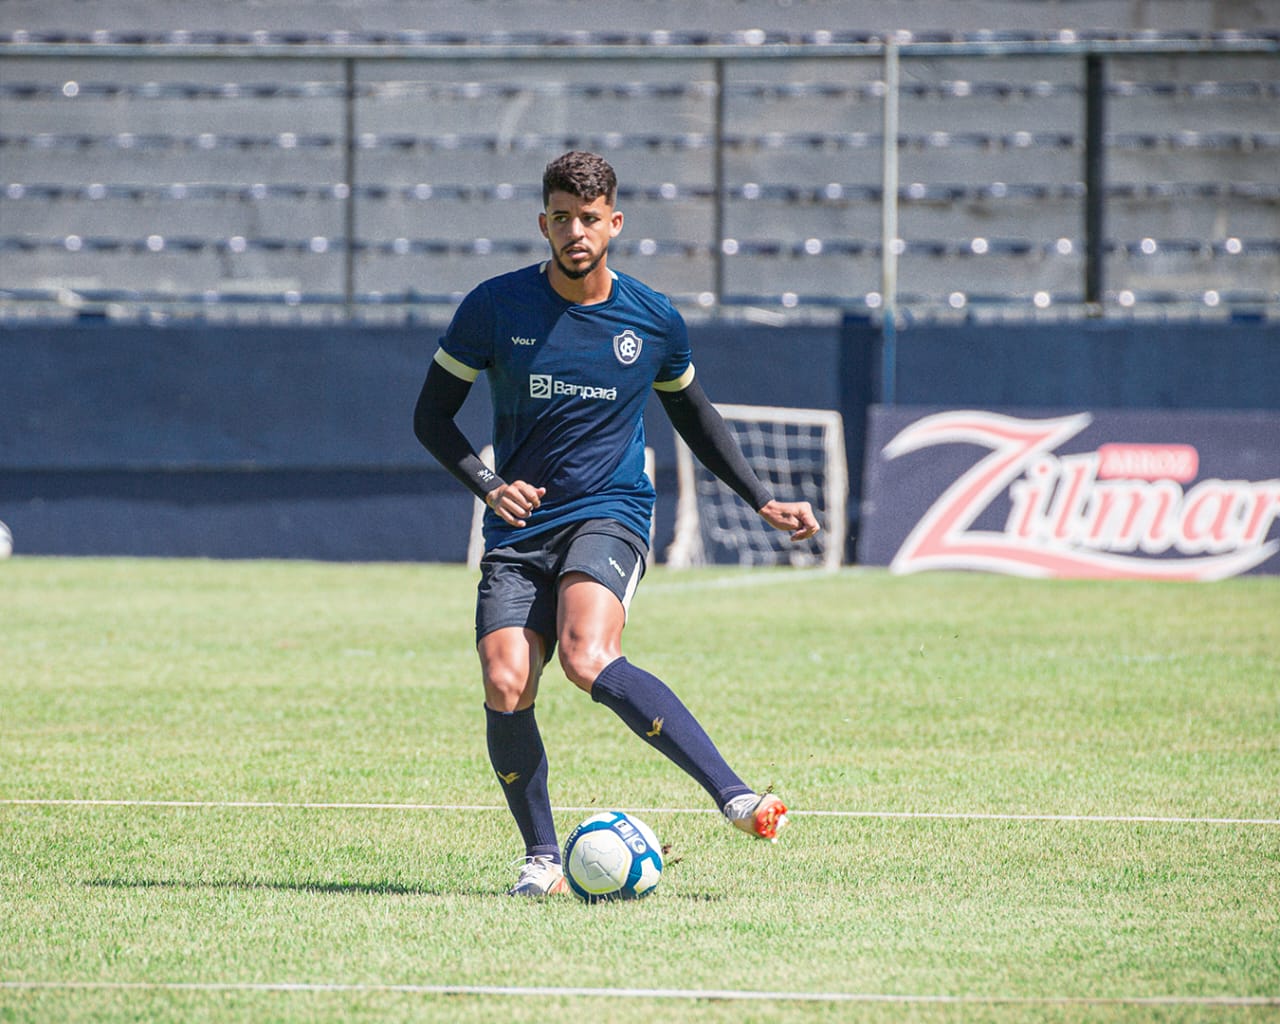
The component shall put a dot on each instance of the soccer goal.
(799, 453)
(475, 545)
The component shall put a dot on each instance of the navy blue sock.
(659, 717)
(520, 761)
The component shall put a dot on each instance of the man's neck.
(596, 287)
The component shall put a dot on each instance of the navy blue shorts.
(519, 582)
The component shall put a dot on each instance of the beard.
(578, 275)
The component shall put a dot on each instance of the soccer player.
(572, 349)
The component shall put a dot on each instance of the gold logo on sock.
(656, 730)
(509, 778)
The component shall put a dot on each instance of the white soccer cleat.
(540, 876)
(763, 816)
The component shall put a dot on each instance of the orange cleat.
(765, 816)
(540, 876)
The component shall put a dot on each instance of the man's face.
(579, 231)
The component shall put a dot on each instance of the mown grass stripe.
(551, 991)
(1118, 819)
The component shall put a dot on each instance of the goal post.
(800, 455)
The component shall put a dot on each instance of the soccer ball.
(612, 856)
(6, 541)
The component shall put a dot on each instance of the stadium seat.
(247, 182)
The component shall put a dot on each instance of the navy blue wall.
(296, 442)
(221, 441)
(1092, 364)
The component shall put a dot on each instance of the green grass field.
(258, 791)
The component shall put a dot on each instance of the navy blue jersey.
(569, 386)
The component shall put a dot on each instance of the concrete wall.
(297, 442)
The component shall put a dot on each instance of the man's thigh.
(608, 553)
(517, 589)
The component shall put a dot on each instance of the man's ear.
(542, 225)
(616, 224)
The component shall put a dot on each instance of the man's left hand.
(795, 517)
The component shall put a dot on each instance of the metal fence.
(339, 176)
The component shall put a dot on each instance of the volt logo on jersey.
(627, 346)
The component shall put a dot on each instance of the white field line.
(641, 993)
(1122, 819)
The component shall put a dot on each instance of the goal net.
(799, 454)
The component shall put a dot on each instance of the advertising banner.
(1123, 494)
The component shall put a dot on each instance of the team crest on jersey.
(627, 346)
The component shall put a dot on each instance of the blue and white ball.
(612, 856)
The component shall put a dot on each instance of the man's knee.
(582, 659)
(507, 689)
(511, 665)
(591, 619)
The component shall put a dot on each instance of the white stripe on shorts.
(632, 583)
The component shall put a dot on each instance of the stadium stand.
(315, 172)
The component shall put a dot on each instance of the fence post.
(719, 185)
(1095, 184)
(889, 226)
(349, 176)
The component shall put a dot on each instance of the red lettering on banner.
(1266, 509)
(1179, 462)
(1071, 494)
(1078, 515)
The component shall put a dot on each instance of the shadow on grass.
(335, 888)
(316, 887)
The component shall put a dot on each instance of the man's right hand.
(513, 501)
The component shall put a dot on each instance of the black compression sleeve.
(704, 431)
(441, 398)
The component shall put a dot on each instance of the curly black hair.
(584, 175)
